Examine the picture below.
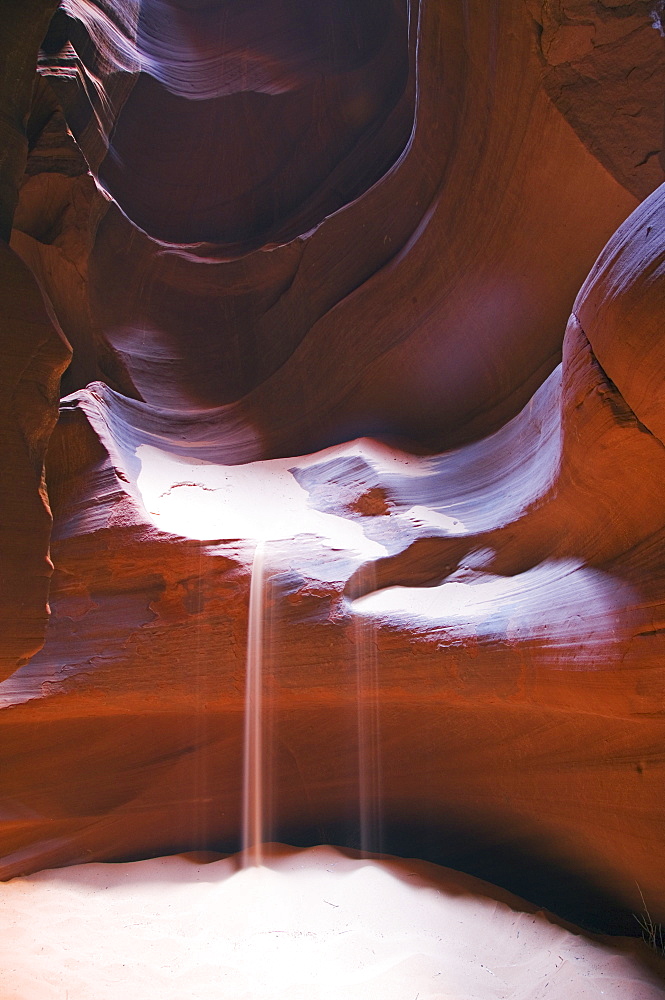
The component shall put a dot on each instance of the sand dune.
(311, 925)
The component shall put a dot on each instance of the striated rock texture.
(287, 111)
(317, 287)
(430, 305)
(34, 355)
(604, 64)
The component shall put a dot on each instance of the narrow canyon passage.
(334, 506)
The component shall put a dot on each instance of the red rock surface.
(34, 354)
(604, 68)
(518, 511)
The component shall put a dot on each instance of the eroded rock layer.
(604, 68)
(34, 355)
(430, 307)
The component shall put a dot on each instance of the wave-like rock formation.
(316, 263)
(286, 110)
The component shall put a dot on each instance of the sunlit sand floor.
(312, 925)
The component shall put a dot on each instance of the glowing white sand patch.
(261, 501)
(264, 501)
(584, 589)
(447, 600)
(315, 926)
(558, 599)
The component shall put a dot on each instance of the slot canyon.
(332, 506)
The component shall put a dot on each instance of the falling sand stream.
(369, 736)
(252, 788)
(256, 754)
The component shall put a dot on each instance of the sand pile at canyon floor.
(313, 924)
